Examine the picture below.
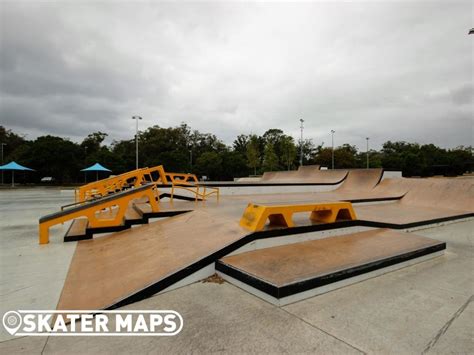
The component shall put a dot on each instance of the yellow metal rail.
(199, 191)
(136, 178)
(118, 203)
(112, 184)
(255, 216)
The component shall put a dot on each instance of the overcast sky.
(384, 69)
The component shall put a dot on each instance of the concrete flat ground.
(424, 308)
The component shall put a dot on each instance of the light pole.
(2, 158)
(367, 138)
(136, 141)
(332, 139)
(301, 142)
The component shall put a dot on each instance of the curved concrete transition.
(361, 179)
(308, 175)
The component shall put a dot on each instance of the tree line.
(181, 149)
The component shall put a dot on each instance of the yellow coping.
(91, 213)
(255, 216)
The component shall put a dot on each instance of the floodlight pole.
(332, 139)
(136, 140)
(367, 138)
(301, 142)
(2, 158)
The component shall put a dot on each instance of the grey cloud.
(391, 70)
(463, 95)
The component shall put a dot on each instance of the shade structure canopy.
(96, 167)
(14, 166)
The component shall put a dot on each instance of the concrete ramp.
(446, 193)
(291, 175)
(361, 179)
(426, 201)
(110, 269)
(309, 167)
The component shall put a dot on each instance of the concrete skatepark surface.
(325, 342)
(99, 266)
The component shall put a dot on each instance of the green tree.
(209, 164)
(13, 142)
(234, 165)
(309, 151)
(92, 143)
(240, 144)
(288, 152)
(461, 160)
(270, 159)
(253, 154)
(53, 156)
(124, 151)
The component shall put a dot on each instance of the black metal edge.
(302, 286)
(132, 222)
(375, 199)
(156, 287)
(376, 224)
(77, 238)
(181, 274)
(98, 230)
(306, 285)
(94, 203)
(247, 279)
(255, 184)
(179, 197)
(380, 178)
(164, 213)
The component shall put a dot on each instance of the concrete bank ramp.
(426, 201)
(107, 270)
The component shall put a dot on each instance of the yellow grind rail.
(199, 191)
(112, 184)
(255, 216)
(188, 182)
(138, 177)
(91, 210)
